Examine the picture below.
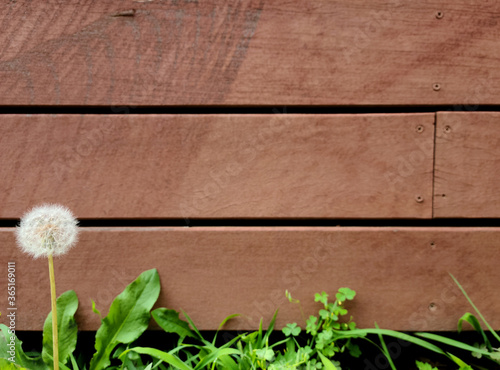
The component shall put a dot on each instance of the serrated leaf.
(67, 329)
(128, 317)
(21, 359)
(169, 321)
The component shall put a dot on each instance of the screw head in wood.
(436, 87)
(432, 307)
(419, 129)
(439, 14)
(447, 129)
(419, 198)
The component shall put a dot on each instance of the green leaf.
(218, 354)
(94, 309)
(354, 349)
(459, 362)
(452, 342)
(474, 322)
(425, 366)
(164, 356)
(266, 354)
(128, 317)
(475, 308)
(345, 293)
(7, 340)
(291, 329)
(8, 365)
(169, 321)
(67, 329)
(408, 338)
(326, 362)
(385, 351)
(323, 298)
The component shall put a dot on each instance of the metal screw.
(436, 87)
(432, 306)
(419, 199)
(447, 129)
(439, 15)
(419, 129)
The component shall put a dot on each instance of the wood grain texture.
(253, 52)
(467, 180)
(219, 166)
(400, 275)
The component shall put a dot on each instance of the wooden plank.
(400, 275)
(254, 52)
(467, 180)
(219, 166)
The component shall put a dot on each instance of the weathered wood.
(467, 177)
(219, 166)
(400, 275)
(251, 52)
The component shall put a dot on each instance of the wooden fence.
(165, 127)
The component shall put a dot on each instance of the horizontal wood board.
(219, 166)
(250, 52)
(400, 274)
(467, 177)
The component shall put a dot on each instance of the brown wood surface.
(467, 177)
(251, 52)
(400, 274)
(219, 166)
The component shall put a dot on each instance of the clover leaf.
(345, 293)
(291, 329)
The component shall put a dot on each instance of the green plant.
(325, 335)
(478, 350)
(128, 318)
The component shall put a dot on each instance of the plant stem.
(55, 341)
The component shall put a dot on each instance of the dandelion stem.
(55, 341)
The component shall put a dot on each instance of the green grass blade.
(474, 322)
(356, 333)
(193, 326)
(459, 362)
(270, 328)
(217, 354)
(475, 308)
(453, 343)
(230, 317)
(385, 350)
(74, 364)
(164, 356)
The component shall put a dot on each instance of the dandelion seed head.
(47, 229)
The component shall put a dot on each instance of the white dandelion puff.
(49, 229)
